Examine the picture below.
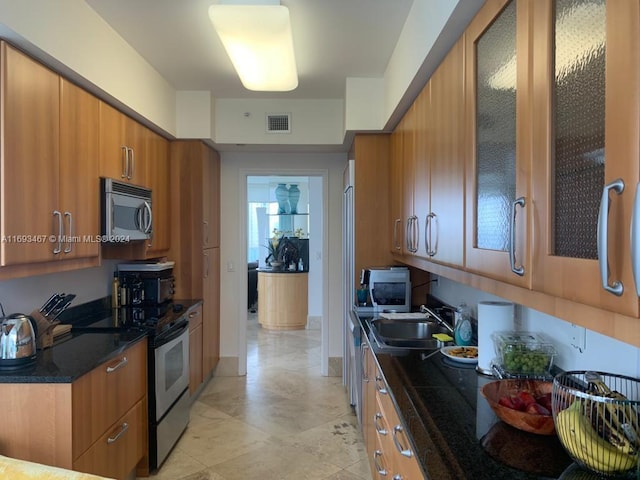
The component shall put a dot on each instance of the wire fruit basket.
(597, 419)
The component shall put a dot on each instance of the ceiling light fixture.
(258, 40)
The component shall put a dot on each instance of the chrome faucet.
(439, 319)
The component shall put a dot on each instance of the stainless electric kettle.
(17, 341)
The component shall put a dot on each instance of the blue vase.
(282, 196)
(294, 196)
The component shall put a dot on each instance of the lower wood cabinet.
(116, 452)
(388, 447)
(97, 424)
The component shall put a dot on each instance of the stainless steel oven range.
(168, 389)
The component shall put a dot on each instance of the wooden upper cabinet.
(498, 142)
(418, 183)
(396, 225)
(159, 181)
(586, 150)
(30, 116)
(210, 198)
(79, 183)
(370, 200)
(445, 152)
(407, 129)
(123, 154)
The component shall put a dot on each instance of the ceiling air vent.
(278, 123)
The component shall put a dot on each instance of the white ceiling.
(333, 40)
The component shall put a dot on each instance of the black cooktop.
(154, 320)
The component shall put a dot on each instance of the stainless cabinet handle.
(416, 233)
(379, 468)
(125, 161)
(69, 246)
(603, 241)
(206, 265)
(118, 365)
(379, 429)
(380, 386)
(58, 249)
(205, 232)
(407, 229)
(512, 236)
(406, 452)
(123, 428)
(635, 239)
(131, 164)
(396, 243)
(431, 251)
(363, 353)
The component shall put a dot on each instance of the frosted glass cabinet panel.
(497, 99)
(496, 130)
(585, 149)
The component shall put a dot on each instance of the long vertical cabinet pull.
(131, 164)
(512, 227)
(429, 236)
(408, 237)
(69, 246)
(125, 161)
(58, 249)
(363, 358)
(635, 239)
(603, 241)
(396, 244)
(416, 234)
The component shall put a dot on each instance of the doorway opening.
(267, 222)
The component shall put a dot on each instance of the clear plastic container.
(524, 353)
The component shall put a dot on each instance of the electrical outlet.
(230, 266)
(578, 337)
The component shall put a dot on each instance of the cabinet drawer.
(103, 395)
(118, 450)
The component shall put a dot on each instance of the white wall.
(234, 168)
(601, 352)
(73, 38)
(27, 294)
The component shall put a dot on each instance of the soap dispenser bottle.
(463, 331)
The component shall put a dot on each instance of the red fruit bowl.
(518, 394)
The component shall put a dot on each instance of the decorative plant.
(273, 246)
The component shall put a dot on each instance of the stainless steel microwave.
(126, 211)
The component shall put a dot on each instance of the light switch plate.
(578, 337)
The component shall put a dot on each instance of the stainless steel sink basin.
(407, 333)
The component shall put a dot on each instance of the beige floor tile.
(272, 462)
(177, 466)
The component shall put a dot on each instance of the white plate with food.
(461, 354)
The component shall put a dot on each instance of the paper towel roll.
(492, 317)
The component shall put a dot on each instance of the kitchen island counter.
(454, 432)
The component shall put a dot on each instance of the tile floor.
(282, 421)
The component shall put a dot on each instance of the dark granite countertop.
(280, 270)
(455, 433)
(84, 348)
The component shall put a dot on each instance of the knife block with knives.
(44, 326)
(46, 318)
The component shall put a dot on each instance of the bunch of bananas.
(603, 435)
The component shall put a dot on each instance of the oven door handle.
(175, 333)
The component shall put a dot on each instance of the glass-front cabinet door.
(586, 111)
(498, 142)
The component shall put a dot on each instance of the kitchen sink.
(406, 333)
